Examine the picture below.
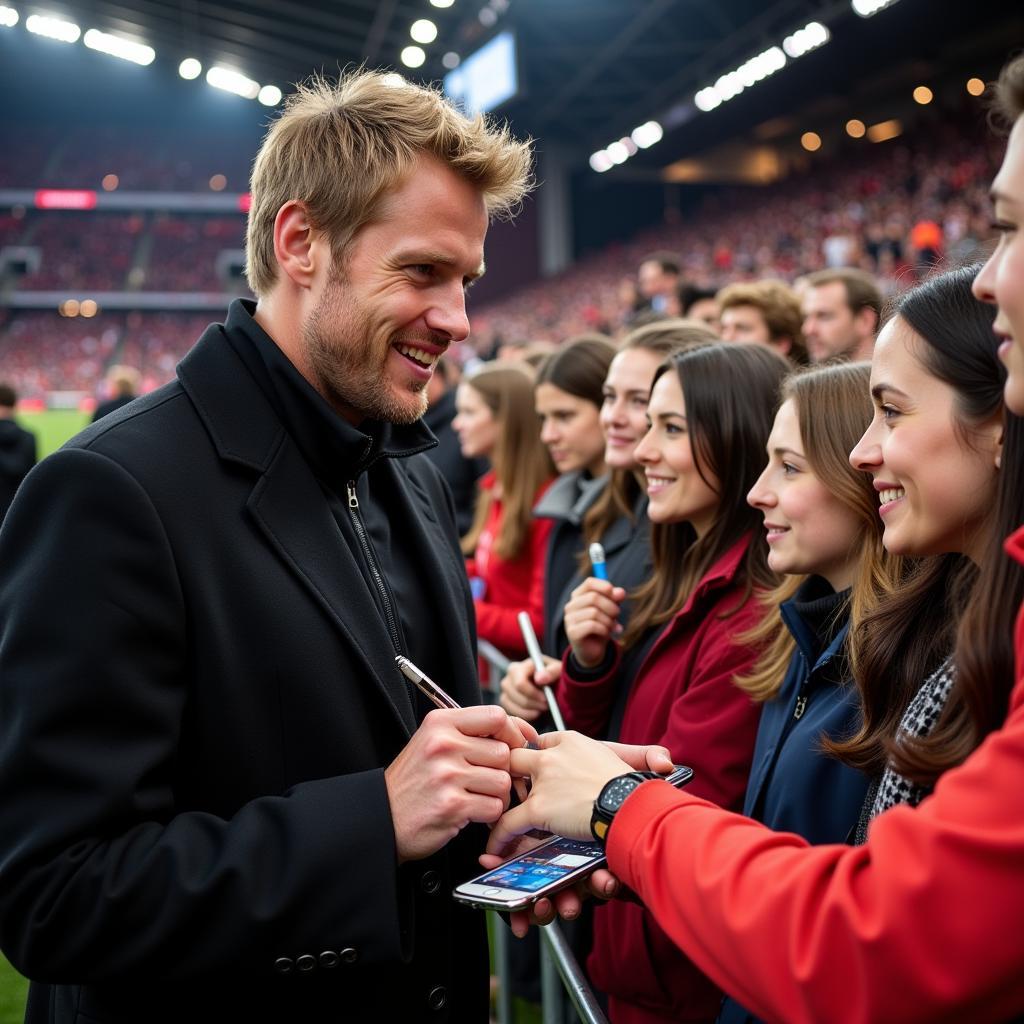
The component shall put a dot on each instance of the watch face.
(616, 792)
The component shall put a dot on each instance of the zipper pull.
(801, 707)
(353, 501)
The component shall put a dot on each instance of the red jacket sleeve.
(586, 705)
(923, 923)
(498, 622)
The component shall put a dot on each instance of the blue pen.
(597, 561)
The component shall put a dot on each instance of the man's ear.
(293, 244)
(782, 344)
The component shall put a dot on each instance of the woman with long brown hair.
(505, 546)
(920, 923)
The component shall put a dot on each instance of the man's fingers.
(509, 827)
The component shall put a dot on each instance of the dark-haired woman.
(922, 922)
(710, 413)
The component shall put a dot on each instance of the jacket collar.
(809, 602)
(721, 573)
(245, 430)
(569, 497)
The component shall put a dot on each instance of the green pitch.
(52, 427)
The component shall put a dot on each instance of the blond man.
(765, 313)
(219, 799)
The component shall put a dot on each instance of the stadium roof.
(591, 70)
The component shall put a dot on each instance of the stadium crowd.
(794, 423)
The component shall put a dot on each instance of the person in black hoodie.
(17, 449)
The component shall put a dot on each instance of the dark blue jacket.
(793, 786)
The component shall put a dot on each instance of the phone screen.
(542, 866)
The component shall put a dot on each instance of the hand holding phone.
(542, 870)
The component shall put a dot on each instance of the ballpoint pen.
(526, 627)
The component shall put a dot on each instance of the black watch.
(611, 798)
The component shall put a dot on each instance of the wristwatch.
(611, 798)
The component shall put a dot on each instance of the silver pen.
(425, 684)
(530, 638)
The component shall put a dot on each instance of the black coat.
(17, 457)
(197, 701)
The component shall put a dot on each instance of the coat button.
(305, 962)
(437, 998)
(328, 958)
(430, 882)
(348, 955)
(283, 964)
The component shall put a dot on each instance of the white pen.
(596, 553)
(526, 627)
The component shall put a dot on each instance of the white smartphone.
(545, 869)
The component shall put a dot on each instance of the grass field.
(52, 427)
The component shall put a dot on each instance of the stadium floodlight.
(617, 153)
(805, 39)
(232, 81)
(53, 28)
(118, 46)
(451, 60)
(423, 31)
(413, 56)
(647, 134)
(865, 8)
(8, 17)
(601, 161)
(269, 96)
(747, 74)
(442, 3)
(190, 68)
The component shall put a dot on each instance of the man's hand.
(522, 690)
(568, 773)
(591, 619)
(451, 772)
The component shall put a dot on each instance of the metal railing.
(560, 974)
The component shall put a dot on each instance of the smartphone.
(545, 869)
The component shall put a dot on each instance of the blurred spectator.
(17, 449)
(462, 473)
(122, 386)
(658, 282)
(766, 313)
(701, 304)
(842, 310)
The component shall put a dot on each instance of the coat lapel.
(289, 508)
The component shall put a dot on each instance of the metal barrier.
(558, 966)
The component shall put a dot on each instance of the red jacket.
(510, 585)
(683, 697)
(925, 922)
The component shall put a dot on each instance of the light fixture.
(451, 60)
(601, 161)
(865, 8)
(413, 56)
(855, 128)
(975, 86)
(617, 153)
(190, 68)
(647, 134)
(805, 39)
(923, 95)
(811, 141)
(423, 31)
(8, 17)
(118, 46)
(747, 74)
(53, 28)
(885, 130)
(232, 81)
(442, 3)
(269, 96)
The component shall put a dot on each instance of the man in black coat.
(219, 799)
(17, 449)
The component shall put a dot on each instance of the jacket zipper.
(378, 579)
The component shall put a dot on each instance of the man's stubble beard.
(347, 366)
